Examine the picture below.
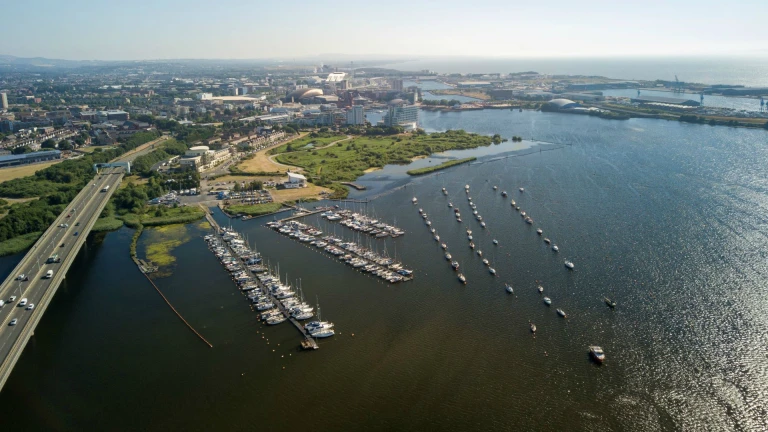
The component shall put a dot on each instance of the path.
(271, 158)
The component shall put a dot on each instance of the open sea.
(747, 71)
(668, 219)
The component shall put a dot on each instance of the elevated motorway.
(79, 217)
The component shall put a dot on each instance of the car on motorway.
(31, 306)
(23, 302)
(21, 276)
(62, 245)
(12, 299)
(48, 274)
(69, 215)
(1, 303)
(77, 232)
(77, 223)
(13, 322)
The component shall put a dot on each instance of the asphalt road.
(65, 242)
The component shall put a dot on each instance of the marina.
(358, 257)
(265, 291)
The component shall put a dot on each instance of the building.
(336, 76)
(665, 100)
(473, 84)
(197, 151)
(396, 84)
(295, 181)
(204, 96)
(559, 104)
(29, 158)
(356, 115)
(400, 114)
(4, 101)
(305, 94)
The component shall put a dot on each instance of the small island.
(442, 166)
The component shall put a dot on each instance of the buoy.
(353, 334)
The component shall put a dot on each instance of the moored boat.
(547, 301)
(569, 265)
(611, 304)
(562, 313)
(509, 289)
(462, 279)
(597, 353)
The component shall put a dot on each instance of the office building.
(3, 101)
(356, 115)
(400, 114)
(396, 84)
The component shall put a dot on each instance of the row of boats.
(351, 253)
(362, 223)
(277, 301)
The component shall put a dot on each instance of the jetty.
(308, 341)
(354, 185)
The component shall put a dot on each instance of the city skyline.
(236, 29)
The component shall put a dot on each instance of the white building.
(356, 115)
(336, 76)
(295, 181)
(3, 101)
(204, 96)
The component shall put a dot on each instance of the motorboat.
(469, 237)
(429, 223)
(469, 231)
(562, 313)
(513, 203)
(450, 205)
(448, 256)
(509, 289)
(503, 193)
(492, 271)
(458, 220)
(482, 224)
(532, 326)
(495, 241)
(569, 265)
(414, 200)
(597, 353)
(495, 187)
(462, 279)
(522, 190)
(471, 245)
(421, 211)
(323, 333)
(455, 265)
(529, 221)
(611, 304)
(547, 241)
(432, 230)
(540, 289)
(466, 187)
(555, 248)
(444, 246)
(486, 262)
(437, 238)
(539, 231)
(445, 192)
(479, 252)
(547, 301)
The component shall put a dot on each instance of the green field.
(254, 210)
(318, 139)
(19, 243)
(347, 160)
(442, 166)
(157, 216)
(109, 223)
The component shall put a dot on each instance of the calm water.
(748, 71)
(667, 218)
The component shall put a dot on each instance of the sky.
(261, 29)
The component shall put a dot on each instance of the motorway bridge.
(63, 238)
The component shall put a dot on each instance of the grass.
(348, 160)
(302, 142)
(254, 210)
(107, 224)
(180, 215)
(24, 170)
(19, 244)
(456, 92)
(161, 241)
(442, 166)
(283, 195)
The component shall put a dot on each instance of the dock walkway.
(308, 342)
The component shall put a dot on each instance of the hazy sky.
(152, 29)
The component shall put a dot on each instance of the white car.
(13, 322)
(31, 306)
(12, 299)
(21, 276)
(1, 303)
(23, 302)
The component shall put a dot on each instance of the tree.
(65, 145)
(49, 143)
(21, 150)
